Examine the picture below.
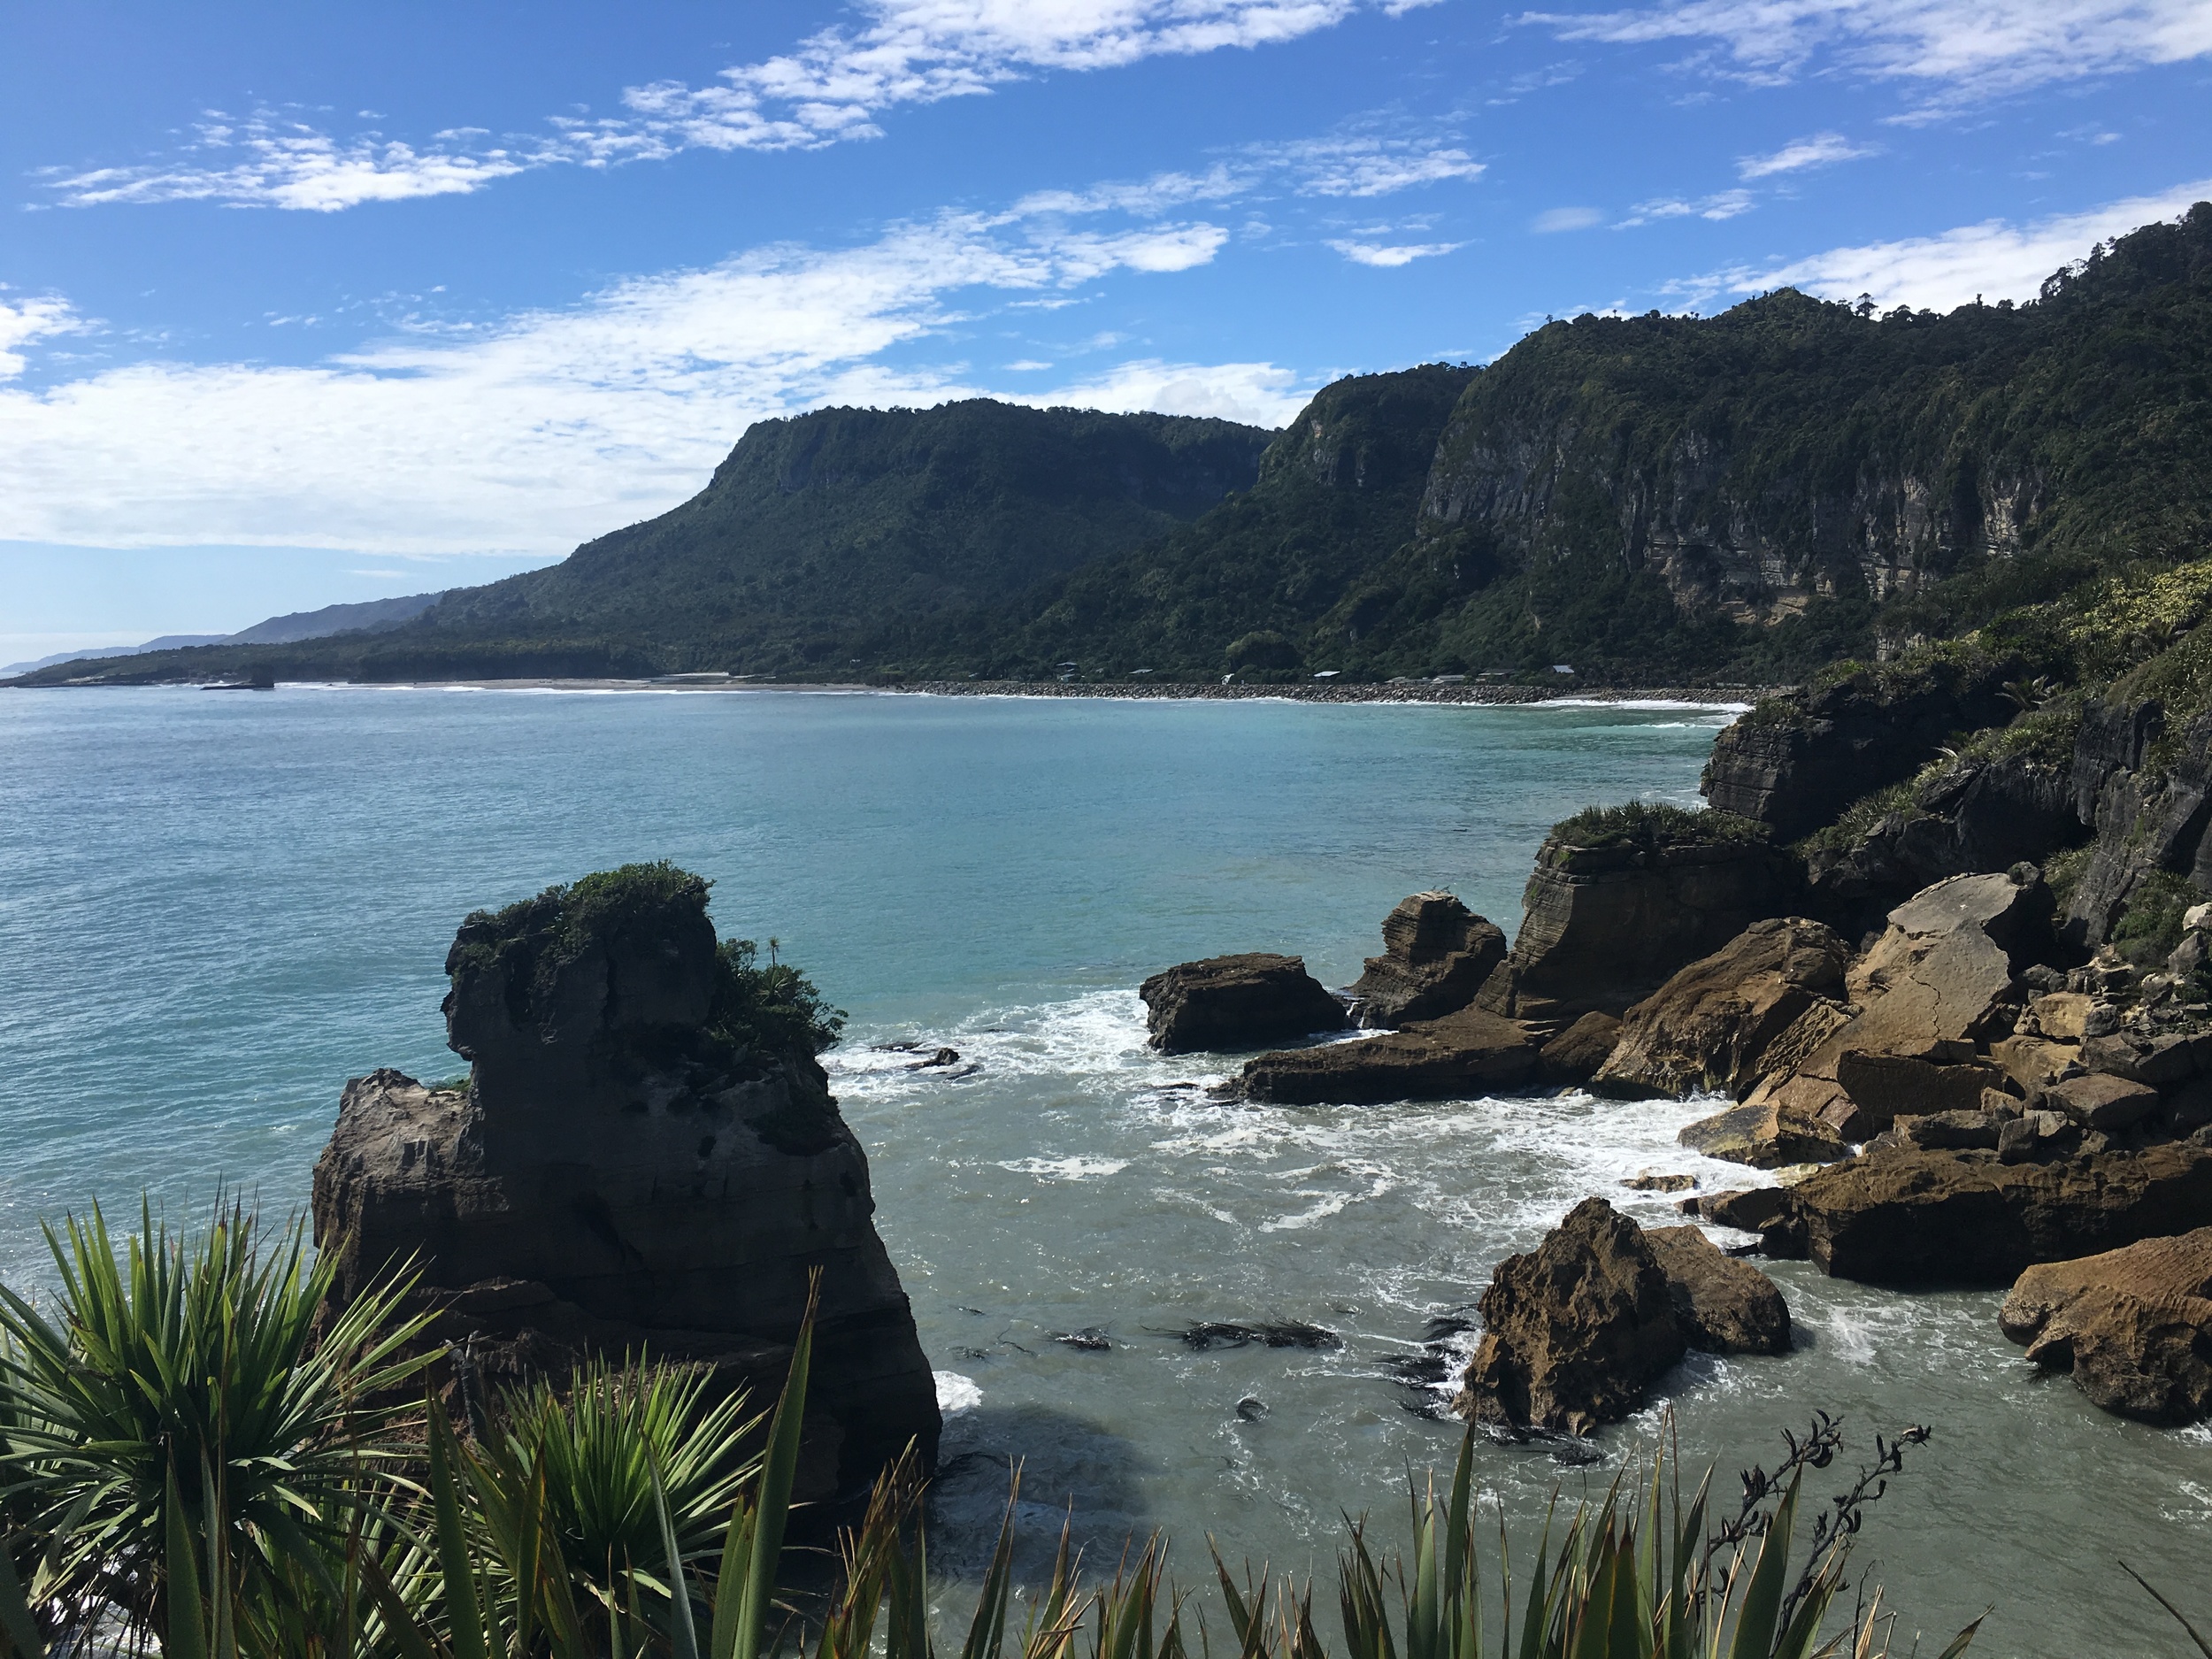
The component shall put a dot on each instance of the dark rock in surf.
(1243, 1001)
(1724, 1306)
(622, 1175)
(1279, 1333)
(1436, 955)
(1471, 1052)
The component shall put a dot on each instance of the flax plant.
(183, 1392)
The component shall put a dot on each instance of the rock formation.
(1578, 1053)
(1577, 1331)
(643, 1162)
(1897, 1217)
(1724, 1022)
(1472, 1052)
(1934, 989)
(1603, 926)
(1436, 955)
(2134, 1325)
(1243, 1001)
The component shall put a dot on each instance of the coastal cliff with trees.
(1744, 498)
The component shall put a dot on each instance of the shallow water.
(213, 910)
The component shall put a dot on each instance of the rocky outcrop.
(629, 1170)
(1575, 1331)
(2148, 819)
(1975, 816)
(1243, 1001)
(2134, 1325)
(1724, 1306)
(1763, 1137)
(1602, 927)
(1772, 990)
(1472, 1052)
(1911, 1218)
(1935, 987)
(1578, 1054)
(1795, 763)
(1436, 955)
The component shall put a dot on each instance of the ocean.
(216, 908)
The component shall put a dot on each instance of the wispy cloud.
(1388, 256)
(557, 425)
(828, 89)
(1554, 220)
(1724, 204)
(1994, 259)
(1822, 149)
(1950, 53)
(23, 321)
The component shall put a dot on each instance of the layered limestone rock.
(1916, 1217)
(1602, 927)
(1575, 1331)
(1757, 1005)
(1578, 1054)
(2134, 1325)
(2149, 816)
(1934, 988)
(1436, 955)
(1243, 1001)
(632, 1169)
(1472, 1052)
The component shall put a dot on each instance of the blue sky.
(303, 304)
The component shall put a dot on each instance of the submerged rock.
(1575, 1331)
(1436, 955)
(1469, 1052)
(1243, 1001)
(628, 1172)
(2134, 1325)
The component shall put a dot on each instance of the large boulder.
(1243, 1001)
(1923, 1218)
(1763, 1137)
(1577, 1331)
(1773, 988)
(1725, 1306)
(1603, 926)
(1436, 955)
(2134, 1325)
(1472, 1052)
(639, 1166)
(1935, 987)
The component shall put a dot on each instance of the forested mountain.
(1741, 497)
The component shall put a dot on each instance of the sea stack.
(645, 1160)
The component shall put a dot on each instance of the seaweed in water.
(1090, 1338)
(1287, 1333)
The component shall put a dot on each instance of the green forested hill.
(1652, 499)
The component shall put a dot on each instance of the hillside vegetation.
(1741, 498)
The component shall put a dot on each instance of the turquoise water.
(215, 908)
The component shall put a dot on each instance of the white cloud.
(1994, 259)
(1358, 165)
(828, 89)
(1951, 52)
(1371, 166)
(22, 321)
(1553, 220)
(1388, 256)
(1027, 365)
(559, 425)
(1726, 205)
(268, 160)
(1822, 149)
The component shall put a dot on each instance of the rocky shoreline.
(1306, 691)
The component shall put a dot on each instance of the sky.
(304, 304)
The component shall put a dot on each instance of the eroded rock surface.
(1436, 955)
(1241, 1002)
(1575, 1331)
(1472, 1052)
(1924, 1218)
(1602, 927)
(1725, 1021)
(626, 1174)
(2134, 1325)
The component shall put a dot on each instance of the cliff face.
(628, 1171)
